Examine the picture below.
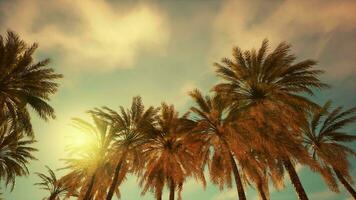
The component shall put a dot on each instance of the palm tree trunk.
(345, 183)
(87, 195)
(52, 197)
(171, 190)
(295, 179)
(238, 181)
(158, 195)
(115, 180)
(261, 191)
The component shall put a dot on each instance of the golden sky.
(112, 50)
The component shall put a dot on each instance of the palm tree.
(269, 88)
(131, 127)
(24, 82)
(170, 154)
(90, 160)
(213, 121)
(15, 153)
(324, 136)
(228, 130)
(52, 185)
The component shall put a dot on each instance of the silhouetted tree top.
(24, 82)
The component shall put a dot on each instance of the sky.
(110, 51)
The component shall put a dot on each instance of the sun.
(79, 140)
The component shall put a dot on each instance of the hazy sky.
(110, 51)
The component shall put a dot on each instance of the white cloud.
(179, 97)
(290, 19)
(89, 34)
(240, 23)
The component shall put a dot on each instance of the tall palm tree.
(213, 121)
(24, 82)
(90, 160)
(227, 130)
(131, 127)
(55, 187)
(170, 154)
(325, 137)
(269, 87)
(15, 153)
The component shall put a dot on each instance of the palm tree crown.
(90, 160)
(170, 154)
(252, 77)
(213, 122)
(15, 153)
(24, 82)
(55, 187)
(268, 88)
(325, 138)
(131, 127)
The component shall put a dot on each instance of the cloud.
(89, 34)
(179, 96)
(309, 25)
